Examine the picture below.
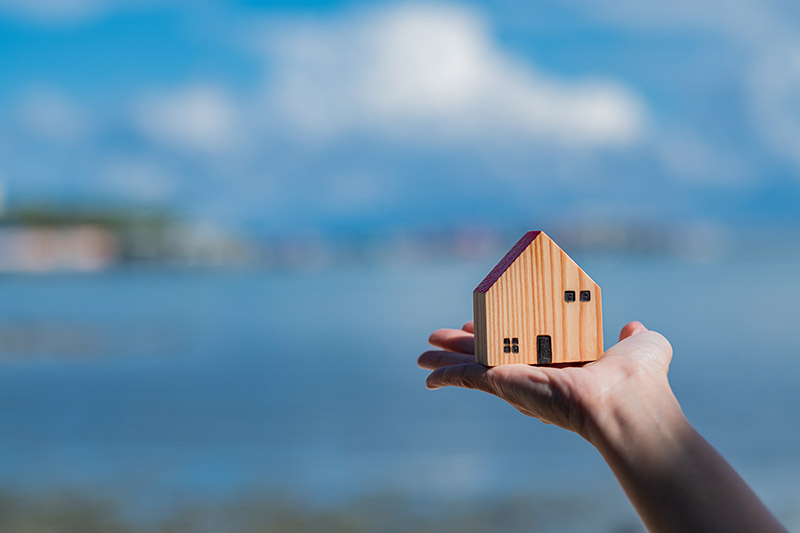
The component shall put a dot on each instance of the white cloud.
(688, 156)
(56, 11)
(139, 178)
(352, 192)
(65, 12)
(433, 72)
(742, 17)
(765, 37)
(774, 90)
(50, 115)
(196, 117)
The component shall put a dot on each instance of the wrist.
(641, 414)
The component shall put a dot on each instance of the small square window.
(506, 341)
(569, 296)
(507, 349)
(586, 296)
(515, 341)
(515, 348)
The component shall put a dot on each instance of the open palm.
(563, 395)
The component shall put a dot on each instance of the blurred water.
(160, 386)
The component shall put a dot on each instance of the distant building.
(41, 249)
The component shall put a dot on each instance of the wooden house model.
(537, 307)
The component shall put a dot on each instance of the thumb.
(630, 329)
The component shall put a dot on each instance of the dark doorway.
(544, 349)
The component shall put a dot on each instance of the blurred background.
(227, 229)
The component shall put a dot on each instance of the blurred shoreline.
(46, 240)
(86, 511)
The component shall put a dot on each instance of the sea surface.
(162, 386)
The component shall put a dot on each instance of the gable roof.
(506, 261)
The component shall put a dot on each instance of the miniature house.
(537, 307)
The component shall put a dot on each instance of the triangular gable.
(506, 261)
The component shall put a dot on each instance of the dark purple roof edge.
(506, 261)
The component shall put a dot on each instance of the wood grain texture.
(527, 300)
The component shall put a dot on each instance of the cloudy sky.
(344, 116)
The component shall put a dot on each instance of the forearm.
(674, 478)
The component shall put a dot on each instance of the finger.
(432, 360)
(660, 348)
(469, 327)
(453, 340)
(470, 376)
(630, 329)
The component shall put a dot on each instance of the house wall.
(528, 300)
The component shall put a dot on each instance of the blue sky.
(343, 116)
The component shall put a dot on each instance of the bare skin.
(624, 406)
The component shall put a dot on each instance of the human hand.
(577, 398)
(623, 405)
